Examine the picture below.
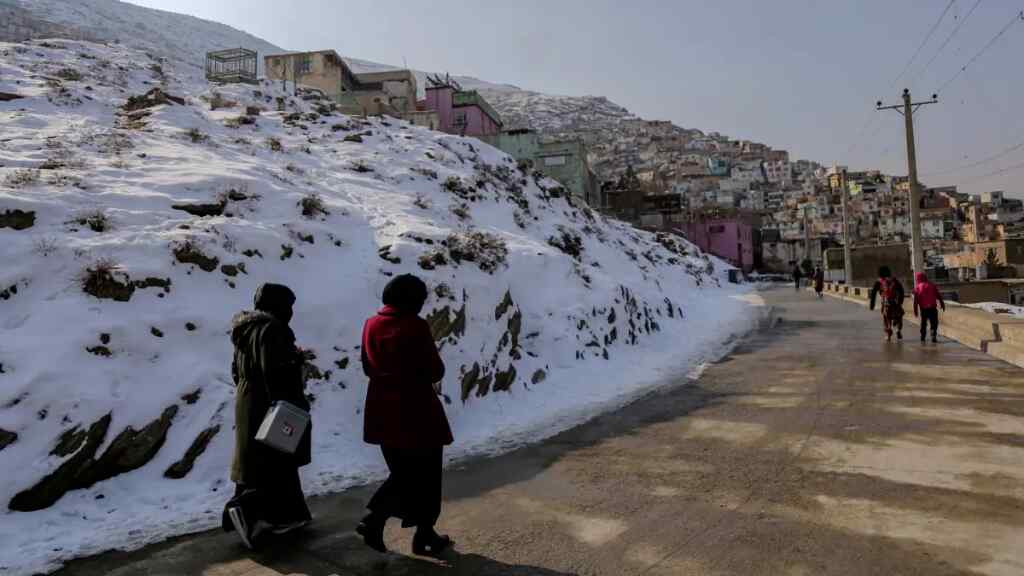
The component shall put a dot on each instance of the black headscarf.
(884, 272)
(406, 293)
(276, 300)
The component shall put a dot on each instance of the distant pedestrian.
(797, 275)
(928, 299)
(891, 291)
(819, 281)
(267, 368)
(405, 417)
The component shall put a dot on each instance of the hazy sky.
(800, 75)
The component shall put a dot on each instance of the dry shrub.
(218, 101)
(22, 178)
(312, 206)
(95, 220)
(99, 280)
(196, 135)
(487, 250)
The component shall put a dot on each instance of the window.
(717, 229)
(555, 160)
(305, 65)
(459, 119)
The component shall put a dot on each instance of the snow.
(182, 38)
(999, 308)
(378, 193)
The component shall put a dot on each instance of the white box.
(283, 427)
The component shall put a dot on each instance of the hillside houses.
(657, 175)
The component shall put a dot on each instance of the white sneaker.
(238, 521)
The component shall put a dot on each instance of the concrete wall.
(425, 118)
(324, 73)
(563, 160)
(566, 161)
(982, 291)
(868, 259)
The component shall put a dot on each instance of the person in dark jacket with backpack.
(267, 368)
(927, 299)
(405, 417)
(891, 291)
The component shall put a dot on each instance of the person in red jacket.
(928, 299)
(405, 417)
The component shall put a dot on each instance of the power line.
(1016, 18)
(873, 117)
(985, 160)
(993, 173)
(925, 42)
(946, 41)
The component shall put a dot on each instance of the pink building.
(462, 112)
(731, 239)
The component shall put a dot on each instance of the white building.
(748, 172)
(778, 172)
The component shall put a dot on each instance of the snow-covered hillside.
(179, 37)
(139, 210)
(186, 39)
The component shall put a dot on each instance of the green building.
(563, 160)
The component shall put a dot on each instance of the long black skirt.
(276, 499)
(412, 491)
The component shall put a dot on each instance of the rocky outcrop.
(182, 467)
(17, 219)
(189, 253)
(130, 450)
(154, 97)
(202, 210)
(443, 325)
(7, 438)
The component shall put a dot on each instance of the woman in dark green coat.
(267, 367)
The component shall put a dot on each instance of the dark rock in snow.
(69, 441)
(7, 438)
(182, 467)
(17, 219)
(202, 210)
(192, 397)
(154, 97)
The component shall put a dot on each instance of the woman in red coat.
(404, 416)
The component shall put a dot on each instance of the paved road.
(815, 448)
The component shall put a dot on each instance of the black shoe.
(899, 335)
(935, 339)
(429, 543)
(922, 339)
(372, 530)
(286, 528)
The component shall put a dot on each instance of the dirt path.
(815, 448)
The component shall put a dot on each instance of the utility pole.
(847, 262)
(807, 236)
(907, 109)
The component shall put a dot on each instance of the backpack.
(889, 290)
